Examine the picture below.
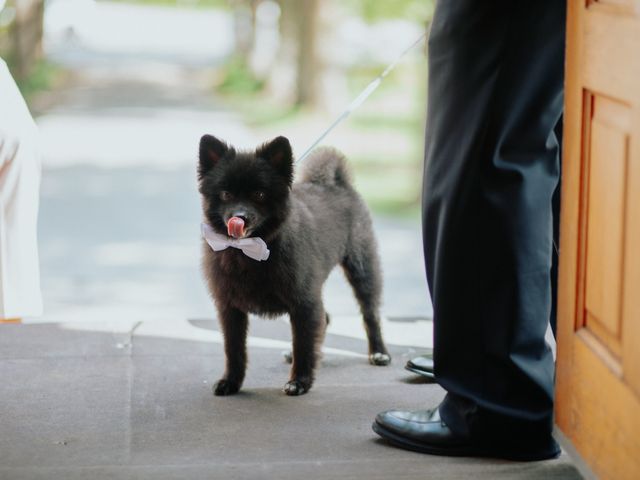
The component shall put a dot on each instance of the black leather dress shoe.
(422, 365)
(424, 431)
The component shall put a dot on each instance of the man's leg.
(495, 95)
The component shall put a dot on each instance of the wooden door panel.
(608, 39)
(599, 415)
(617, 6)
(631, 306)
(607, 132)
(598, 369)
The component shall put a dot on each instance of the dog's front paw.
(296, 387)
(379, 359)
(225, 387)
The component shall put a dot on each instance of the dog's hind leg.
(288, 354)
(362, 269)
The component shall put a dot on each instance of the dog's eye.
(225, 196)
(259, 195)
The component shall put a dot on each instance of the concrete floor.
(126, 400)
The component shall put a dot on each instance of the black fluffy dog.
(309, 227)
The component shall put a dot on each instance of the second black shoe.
(422, 365)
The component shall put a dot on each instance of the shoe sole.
(422, 373)
(466, 451)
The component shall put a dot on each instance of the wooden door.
(598, 371)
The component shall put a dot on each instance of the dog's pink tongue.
(235, 227)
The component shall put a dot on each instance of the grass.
(237, 79)
(392, 191)
(44, 76)
(243, 92)
(375, 121)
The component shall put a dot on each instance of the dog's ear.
(279, 154)
(211, 151)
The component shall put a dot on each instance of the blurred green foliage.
(390, 191)
(180, 3)
(43, 76)
(373, 10)
(370, 10)
(238, 79)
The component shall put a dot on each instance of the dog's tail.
(326, 166)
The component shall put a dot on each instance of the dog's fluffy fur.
(310, 227)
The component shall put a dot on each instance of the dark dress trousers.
(491, 170)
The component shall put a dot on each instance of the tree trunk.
(244, 26)
(308, 66)
(26, 36)
(298, 49)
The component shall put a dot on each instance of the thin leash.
(359, 100)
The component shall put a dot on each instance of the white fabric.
(252, 247)
(20, 294)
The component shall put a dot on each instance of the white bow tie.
(252, 247)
